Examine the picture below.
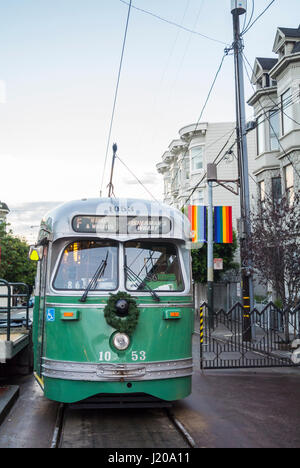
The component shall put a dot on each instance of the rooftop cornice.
(191, 130)
(162, 167)
(283, 63)
(266, 168)
(260, 93)
(167, 157)
(177, 145)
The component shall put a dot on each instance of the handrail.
(10, 294)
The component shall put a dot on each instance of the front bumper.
(103, 372)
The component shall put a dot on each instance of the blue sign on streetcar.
(50, 315)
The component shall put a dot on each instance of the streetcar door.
(40, 316)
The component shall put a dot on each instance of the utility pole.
(110, 185)
(211, 177)
(239, 7)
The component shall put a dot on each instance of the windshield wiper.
(98, 274)
(134, 277)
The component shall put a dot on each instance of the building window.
(262, 192)
(286, 112)
(274, 130)
(187, 168)
(196, 154)
(167, 186)
(267, 80)
(179, 176)
(198, 198)
(175, 178)
(261, 143)
(289, 183)
(276, 189)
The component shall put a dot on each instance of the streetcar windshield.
(154, 265)
(81, 260)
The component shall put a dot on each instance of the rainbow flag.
(198, 220)
(223, 224)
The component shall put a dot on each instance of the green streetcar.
(113, 312)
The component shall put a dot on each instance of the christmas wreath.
(122, 313)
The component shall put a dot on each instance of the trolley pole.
(110, 185)
(238, 7)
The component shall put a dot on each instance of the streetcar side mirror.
(35, 253)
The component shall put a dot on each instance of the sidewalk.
(8, 396)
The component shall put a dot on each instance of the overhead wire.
(208, 146)
(136, 178)
(277, 108)
(258, 17)
(118, 81)
(166, 66)
(282, 108)
(245, 16)
(214, 162)
(251, 16)
(255, 181)
(175, 24)
(116, 95)
(181, 62)
(176, 40)
(203, 108)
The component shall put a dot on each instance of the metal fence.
(10, 307)
(228, 341)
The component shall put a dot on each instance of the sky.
(59, 64)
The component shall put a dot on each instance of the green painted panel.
(103, 300)
(73, 391)
(89, 338)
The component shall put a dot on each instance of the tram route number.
(135, 356)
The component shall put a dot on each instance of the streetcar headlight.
(121, 341)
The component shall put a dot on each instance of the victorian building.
(184, 165)
(276, 106)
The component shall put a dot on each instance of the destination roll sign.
(122, 224)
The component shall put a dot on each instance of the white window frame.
(273, 136)
(197, 200)
(193, 171)
(286, 105)
(187, 169)
(262, 191)
(289, 183)
(261, 135)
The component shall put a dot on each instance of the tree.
(15, 266)
(274, 247)
(225, 251)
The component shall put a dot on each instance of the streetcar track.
(58, 426)
(181, 429)
(62, 412)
